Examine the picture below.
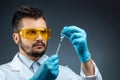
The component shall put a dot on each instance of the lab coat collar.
(26, 61)
(20, 68)
(17, 65)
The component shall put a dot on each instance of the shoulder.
(5, 66)
(3, 70)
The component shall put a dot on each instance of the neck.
(30, 57)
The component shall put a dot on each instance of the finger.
(78, 41)
(55, 72)
(55, 64)
(72, 29)
(76, 36)
(69, 30)
(53, 61)
(52, 58)
(52, 66)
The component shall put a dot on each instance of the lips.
(39, 45)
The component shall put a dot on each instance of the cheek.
(45, 42)
(27, 42)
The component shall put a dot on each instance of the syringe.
(59, 45)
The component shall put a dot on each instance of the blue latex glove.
(77, 37)
(48, 70)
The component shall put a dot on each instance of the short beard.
(31, 54)
(35, 54)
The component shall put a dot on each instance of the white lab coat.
(16, 70)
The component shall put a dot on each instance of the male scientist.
(31, 34)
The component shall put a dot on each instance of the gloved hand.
(48, 70)
(78, 38)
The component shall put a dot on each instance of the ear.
(15, 37)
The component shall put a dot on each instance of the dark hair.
(25, 11)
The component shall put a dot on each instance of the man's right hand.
(48, 70)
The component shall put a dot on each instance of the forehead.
(33, 23)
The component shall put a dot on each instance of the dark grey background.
(100, 19)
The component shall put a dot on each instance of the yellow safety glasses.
(33, 33)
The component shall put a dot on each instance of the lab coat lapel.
(26, 73)
(18, 66)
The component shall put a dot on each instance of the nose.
(39, 37)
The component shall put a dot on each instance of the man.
(30, 63)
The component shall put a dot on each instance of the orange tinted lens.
(32, 34)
